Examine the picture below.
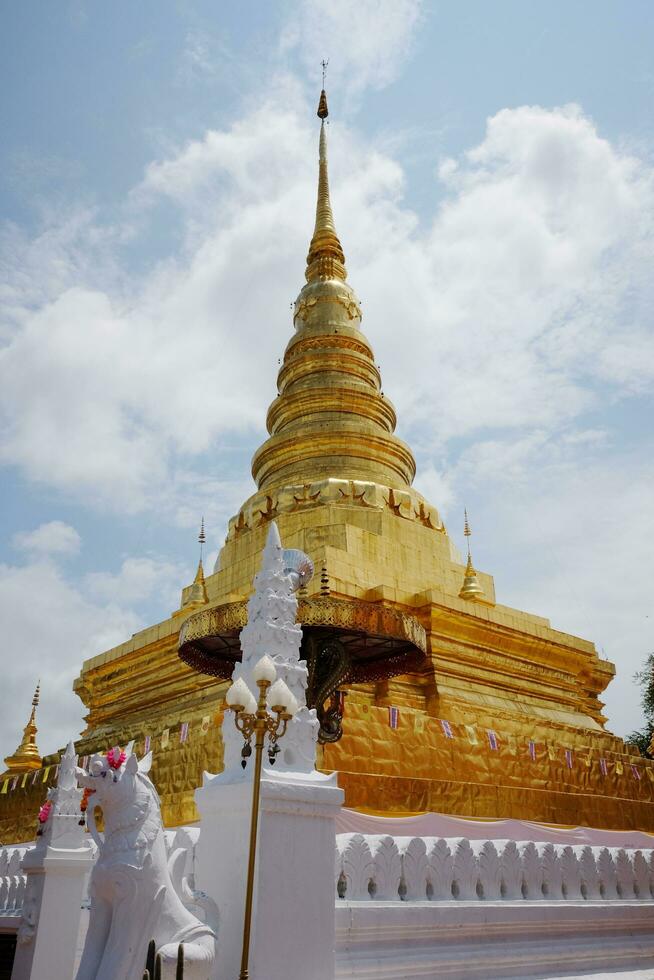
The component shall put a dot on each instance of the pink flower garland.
(44, 812)
(115, 757)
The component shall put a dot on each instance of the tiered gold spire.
(471, 589)
(196, 594)
(27, 756)
(330, 419)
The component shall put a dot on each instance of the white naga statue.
(133, 897)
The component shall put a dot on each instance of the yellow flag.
(588, 761)
(619, 768)
(206, 722)
(46, 773)
(24, 780)
(419, 723)
(4, 786)
(551, 751)
(650, 773)
(472, 734)
(165, 738)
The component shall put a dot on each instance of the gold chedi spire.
(27, 756)
(195, 595)
(471, 589)
(325, 259)
(330, 419)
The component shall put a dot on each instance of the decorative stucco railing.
(419, 869)
(12, 881)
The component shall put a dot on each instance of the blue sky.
(493, 189)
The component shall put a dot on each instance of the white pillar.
(47, 937)
(293, 913)
(57, 871)
(293, 916)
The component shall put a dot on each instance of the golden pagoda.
(27, 757)
(471, 589)
(195, 595)
(430, 694)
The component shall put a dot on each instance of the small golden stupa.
(27, 756)
(430, 694)
(195, 595)
(471, 589)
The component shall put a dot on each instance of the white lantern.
(265, 670)
(238, 694)
(251, 704)
(279, 695)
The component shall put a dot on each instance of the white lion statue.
(133, 898)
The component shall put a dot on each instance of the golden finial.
(325, 259)
(195, 595)
(471, 589)
(26, 756)
(201, 538)
(323, 111)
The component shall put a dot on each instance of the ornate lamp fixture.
(252, 718)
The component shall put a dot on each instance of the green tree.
(645, 678)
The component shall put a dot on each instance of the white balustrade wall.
(13, 882)
(428, 907)
(382, 868)
(434, 907)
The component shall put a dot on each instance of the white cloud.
(572, 542)
(524, 283)
(55, 537)
(366, 41)
(50, 625)
(139, 579)
(48, 629)
(434, 483)
(519, 299)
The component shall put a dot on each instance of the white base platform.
(494, 940)
(631, 975)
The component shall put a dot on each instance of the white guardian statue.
(133, 898)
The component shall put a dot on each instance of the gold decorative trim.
(347, 614)
(305, 306)
(214, 622)
(326, 360)
(366, 617)
(300, 345)
(406, 504)
(297, 407)
(287, 450)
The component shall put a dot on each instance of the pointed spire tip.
(325, 259)
(273, 539)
